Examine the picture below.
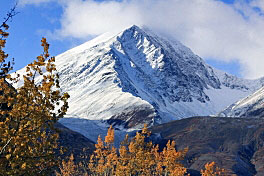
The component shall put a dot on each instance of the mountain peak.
(135, 28)
(135, 77)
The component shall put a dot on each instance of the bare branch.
(10, 15)
(2, 150)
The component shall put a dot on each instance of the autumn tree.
(104, 159)
(69, 168)
(28, 139)
(135, 156)
(211, 169)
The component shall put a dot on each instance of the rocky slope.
(74, 142)
(235, 144)
(137, 77)
(250, 107)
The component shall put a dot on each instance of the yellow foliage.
(135, 156)
(212, 170)
(109, 139)
(28, 139)
(70, 168)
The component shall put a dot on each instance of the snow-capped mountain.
(251, 106)
(136, 77)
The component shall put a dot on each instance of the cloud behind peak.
(212, 29)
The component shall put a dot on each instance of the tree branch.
(10, 15)
(2, 150)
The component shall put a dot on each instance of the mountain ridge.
(235, 144)
(136, 77)
(248, 107)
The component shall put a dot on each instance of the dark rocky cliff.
(74, 142)
(233, 143)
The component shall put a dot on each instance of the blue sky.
(225, 33)
(28, 27)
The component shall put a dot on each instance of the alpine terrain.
(235, 144)
(249, 107)
(136, 77)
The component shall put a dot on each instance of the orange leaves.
(66, 95)
(52, 59)
(8, 76)
(8, 156)
(136, 157)
(2, 43)
(29, 118)
(69, 168)
(41, 58)
(3, 34)
(100, 144)
(45, 45)
(145, 131)
(3, 56)
(212, 170)
(171, 159)
(24, 166)
(109, 139)
(105, 157)
(5, 26)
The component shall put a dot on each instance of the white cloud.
(34, 2)
(210, 28)
(85, 18)
(258, 3)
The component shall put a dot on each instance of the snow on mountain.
(251, 106)
(234, 82)
(136, 77)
